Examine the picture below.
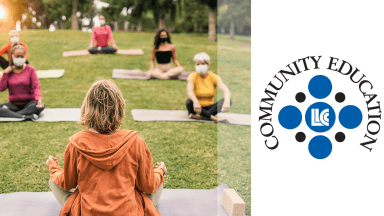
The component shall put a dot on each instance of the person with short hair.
(14, 38)
(101, 35)
(201, 91)
(24, 100)
(163, 50)
(107, 170)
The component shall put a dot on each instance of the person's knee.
(188, 102)
(51, 184)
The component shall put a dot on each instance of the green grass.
(197, 155)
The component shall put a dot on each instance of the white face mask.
(19, 61)
(201, 69)
(15, 39)
(102, 22)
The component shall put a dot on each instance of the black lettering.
(353, 74)
(273, 147)
(305, 63)
(342, 66)
(373, 132)
(371, 97)
(282, 72)
(332, 63)
(273, 86)
(376, 107)
(361, 84)
(368, 142)
(261, 129)
(316, 62)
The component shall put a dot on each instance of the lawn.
(197, 155)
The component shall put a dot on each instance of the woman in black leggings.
(24, 100)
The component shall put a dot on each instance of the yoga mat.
(119, 51)
(52, 115)
(181, 115)
(50, 73)
(41, 74)
(173, 202)
(139, 74)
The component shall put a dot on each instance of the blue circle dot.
(320, 117)
(290, 117)
(320, 86)
(350, 117)
(320, 147)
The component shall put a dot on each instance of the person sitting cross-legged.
(201, 91)
(101, 35)
(24, 100)
(163, 50)
(107, 170)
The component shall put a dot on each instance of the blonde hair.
(202, 57)
(103, 107)
(13, 31)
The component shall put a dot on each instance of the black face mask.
(162, 40)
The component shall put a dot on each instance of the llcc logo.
(320, 120)
(320, 146)
(320, 116)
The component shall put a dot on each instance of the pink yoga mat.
(119, 51)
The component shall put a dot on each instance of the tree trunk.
(126, 24)
(200, 30)
(75, 22)
(211, 25)
(162, 19)
(116, 27)
(232, 30)
(195, 28)
(140, 25)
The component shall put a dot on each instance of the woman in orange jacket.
(107, 171)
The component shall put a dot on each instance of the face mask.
(14, 39)
(102, 22)
(162, 40)
(201, 69)
(19, 61)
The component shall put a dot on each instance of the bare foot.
(5, 107)
(216, 119)
(196, 116)
(35, 116)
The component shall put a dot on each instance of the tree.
(55, 9)
(139, 8)
(75, 22)
(235, 14)
(160, 8)
(212, 7)
(113, 12)
(196, 13)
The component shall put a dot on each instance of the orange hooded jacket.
(111, 173)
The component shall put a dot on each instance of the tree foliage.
(236, 12)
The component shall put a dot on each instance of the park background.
(197, 155)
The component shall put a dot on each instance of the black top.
(163, 57)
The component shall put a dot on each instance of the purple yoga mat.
(173, 202)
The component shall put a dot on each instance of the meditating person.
(201, 87)
(14, 37)
(164, 50)
(101, 35)
(24, 100)
(107, 170)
